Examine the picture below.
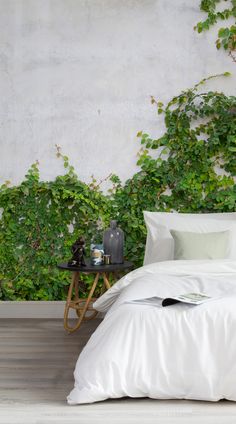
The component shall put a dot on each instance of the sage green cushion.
(188, 245)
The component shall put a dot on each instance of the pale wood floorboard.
(37, 360)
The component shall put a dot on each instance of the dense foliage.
(190, 168)
(226, 35)
(40, 221)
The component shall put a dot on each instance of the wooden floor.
(37, 359)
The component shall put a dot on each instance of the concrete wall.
(79, 73)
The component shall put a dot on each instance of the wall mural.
(194, 171)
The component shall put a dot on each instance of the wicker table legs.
(83, 307)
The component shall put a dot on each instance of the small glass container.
(96, 253)
(107, 259)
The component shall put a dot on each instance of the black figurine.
(78, 253)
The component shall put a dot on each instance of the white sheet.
(180, 351)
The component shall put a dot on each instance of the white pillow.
(225, 216)
(160, 243)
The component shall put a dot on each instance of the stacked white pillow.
(160, 243)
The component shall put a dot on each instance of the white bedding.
(181, 351)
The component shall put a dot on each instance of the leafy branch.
(226, 35)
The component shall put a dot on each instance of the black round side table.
(81, 305)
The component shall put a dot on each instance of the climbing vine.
(226, 35)
(40, 220)
(189, 168)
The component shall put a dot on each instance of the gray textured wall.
(79, 73)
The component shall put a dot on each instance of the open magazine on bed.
(190, 298)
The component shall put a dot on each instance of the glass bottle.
(113, 243)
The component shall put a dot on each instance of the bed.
(182, 351)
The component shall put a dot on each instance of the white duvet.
(181, 351)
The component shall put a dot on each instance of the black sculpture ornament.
(78, 253)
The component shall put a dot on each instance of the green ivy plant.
(195, 169)
(226, 35)
(39, 223)
(190, 168)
